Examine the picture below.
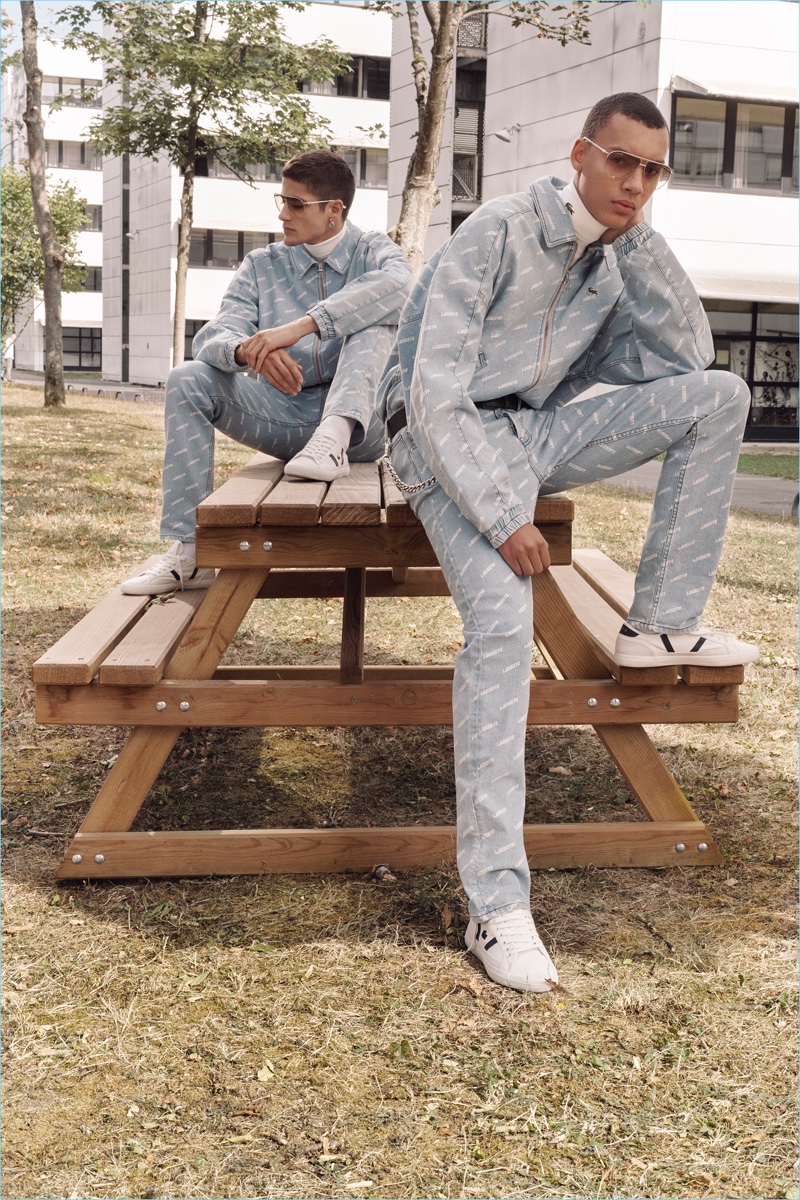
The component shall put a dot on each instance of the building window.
(365, 79)
(225, 249)
(212, 166)
(76, 93)
(734, 144)
(370, 167)
(192, 328)
(82, 349)
(76, 156)
(467, 145)
(94, 279)
(94, 218)
(472, 32)
(759, 343)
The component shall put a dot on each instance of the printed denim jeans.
(697, 421)
(201, 398)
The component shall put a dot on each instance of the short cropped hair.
(629, 104)
(325, 174)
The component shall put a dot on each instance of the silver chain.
(408, 488)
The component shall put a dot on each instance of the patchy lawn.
(315, 1036)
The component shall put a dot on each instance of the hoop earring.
(331, 223)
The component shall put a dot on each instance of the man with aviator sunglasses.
(537, 298)
(313, 319)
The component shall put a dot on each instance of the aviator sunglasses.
(295, 203)
(619, 165)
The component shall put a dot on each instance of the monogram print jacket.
(499, 311)
(364, 281)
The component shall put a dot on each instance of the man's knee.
(731, 388)
(191, 374)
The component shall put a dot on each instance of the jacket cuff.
(502, 530)
(229, 352)
(322, 317)
(633, 239)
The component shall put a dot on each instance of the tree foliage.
(23, 266)
(200, 78)
(432, 58)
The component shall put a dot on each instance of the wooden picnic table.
(155, 666)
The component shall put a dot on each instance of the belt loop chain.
(409, 489)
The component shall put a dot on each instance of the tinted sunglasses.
(295, 203)
(619, 165)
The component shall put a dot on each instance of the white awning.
(767, 93)
(762, 291)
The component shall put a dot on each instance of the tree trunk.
(52, 251)
(420, 193)
(187, 202)
(184, 241)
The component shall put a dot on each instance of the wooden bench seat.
(155, 666)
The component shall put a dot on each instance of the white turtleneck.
(321, 250)
(587, 228)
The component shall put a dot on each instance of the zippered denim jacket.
(498, 311)
(364, 281)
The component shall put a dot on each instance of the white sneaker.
(512, 952)
(323, 458)
(703, 648)
(176, 570)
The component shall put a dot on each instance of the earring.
(331, 223)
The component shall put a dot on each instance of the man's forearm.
(267, 340)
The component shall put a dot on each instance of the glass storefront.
(759, 343)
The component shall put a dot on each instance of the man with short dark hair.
(332, 294)
(536, 298)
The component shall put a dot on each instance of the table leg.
(353, 618)
(566, 641)
(224, 608)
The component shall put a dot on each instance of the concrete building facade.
(725, 77)
(125, 330)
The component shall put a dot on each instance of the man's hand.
(282, 372)
(526, 551)
(611, 235)
(255, 349)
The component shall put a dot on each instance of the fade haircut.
(629, 104)
(325, 174)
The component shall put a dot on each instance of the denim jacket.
(500, 311)
(363, 282)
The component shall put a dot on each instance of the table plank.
(76, 656)
(139, 659)
(354, 499)
(293, 502)
(282, 851)
(237, 501)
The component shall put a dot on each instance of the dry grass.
(326, 1036)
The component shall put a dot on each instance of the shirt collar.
(338, 260)
(587, 228)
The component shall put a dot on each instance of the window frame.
(790, 125)
(89, 343)
(754, 432)
(210, 265)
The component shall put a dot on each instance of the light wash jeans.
(201, 398)
(697, 420)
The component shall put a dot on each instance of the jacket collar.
(556, 223)
(338, 260)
